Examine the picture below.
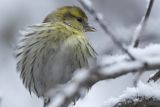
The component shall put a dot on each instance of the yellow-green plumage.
(52, 51)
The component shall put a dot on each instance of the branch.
(87, 6)
(141, 101)
(145, 95)
(120, 66)
(139, 31)
(137, 78)
(140, 28)
(155, 77)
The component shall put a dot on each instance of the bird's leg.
(46, 102)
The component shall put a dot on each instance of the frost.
(57, 101)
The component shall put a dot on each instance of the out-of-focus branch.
(86, 78)
(137, 78)
(106, 29)
(155, 77)
(140, 28)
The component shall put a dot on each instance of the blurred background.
(121, 15)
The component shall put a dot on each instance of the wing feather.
(30, 53)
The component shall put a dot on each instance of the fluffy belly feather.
(44, 69)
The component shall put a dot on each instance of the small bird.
(49, 53)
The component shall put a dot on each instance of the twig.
(137, 78)
(155, 77)
(105, 28)
(140, 28)
(139, 31)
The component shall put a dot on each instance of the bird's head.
(72, 16)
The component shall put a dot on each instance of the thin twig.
(140, 28)
(139, 31)
(105, 28)
(155, 77)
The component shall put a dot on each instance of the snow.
(57, 101)
(137, 31)
(80, 75)
(70, 89)
(88, 3)
(124, 66)
(149, 51)
(116, 64)
(100, 16)
(109, 60)
(143, 89)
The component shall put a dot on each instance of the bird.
(49, 53)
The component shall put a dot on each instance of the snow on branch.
(144, 95)
(111, 67)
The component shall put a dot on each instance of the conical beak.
(89, 29)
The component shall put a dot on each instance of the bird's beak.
(89, 29)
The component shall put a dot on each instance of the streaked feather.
(46, 60)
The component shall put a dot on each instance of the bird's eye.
(80, 19)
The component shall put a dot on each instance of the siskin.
(49, 53)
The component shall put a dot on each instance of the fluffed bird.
(49, 53)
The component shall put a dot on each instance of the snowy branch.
(147, 59)
(145, 95)
(141, 101)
